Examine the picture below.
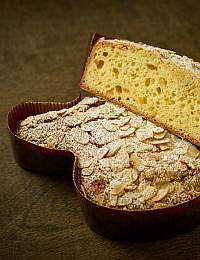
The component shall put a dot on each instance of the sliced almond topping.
(144, 134)
(122, 121)
(62, 111)
(113, 200)
(87, 171)
(103, 152)
(160, 135)
(158, 130)
(130, 187)
(137, 122)
(129, 148)
(132, 173)
(135, 161)
(162, 192)
(72, 121)
(193, 151)
(127, 133)
(113, 149)
(109, 126)
(84, 163)
(125, 127)
(164, 147)
(26, 121)
(163, 141)
(149, 192)
(118, 189)
(110, 116)
(80, 136)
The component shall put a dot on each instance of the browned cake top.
(126, 162)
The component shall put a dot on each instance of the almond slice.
(149, 192)
(193, 151)
(72, 121)
(80, 136)
(125, 127)
(136, 121)
(130, 187)
(118, 189)
(103, 152)
(160, 135)
(164, 147)
(158, 130)
(84, 163)
(110, 116)
(131, 172)
(162, 192)
(122, 121)
(163, 141)
(87, 171)
(113, 149)
(62, 111)
(135, 161)
(109, 126)
(144, 134)
(127, 133)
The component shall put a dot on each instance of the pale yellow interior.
(153, 86)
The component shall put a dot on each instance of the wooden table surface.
(42, 49)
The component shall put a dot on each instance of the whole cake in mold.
(125, 161)
(158, 84)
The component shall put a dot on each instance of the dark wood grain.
(42, 49)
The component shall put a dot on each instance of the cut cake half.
(157, 84)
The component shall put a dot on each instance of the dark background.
(42, 49)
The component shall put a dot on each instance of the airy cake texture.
(155, 83)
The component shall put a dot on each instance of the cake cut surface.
(125, 161)
(157, 84)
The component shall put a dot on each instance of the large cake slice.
(155, 83)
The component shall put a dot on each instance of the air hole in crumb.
(152, 81)
(151, 66)
(159, 90)
(143, 100)
(127, 98)
(192, 107)
(107, 86)
(136, 84)
(181, 98)
(119, 65)
(162, 82)
(99, 63)
(133, 63)
(116, 73)
(118, 89)
(105, 53)
(125, 90)
(119, 98)
(133, 75)
(147, 82)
